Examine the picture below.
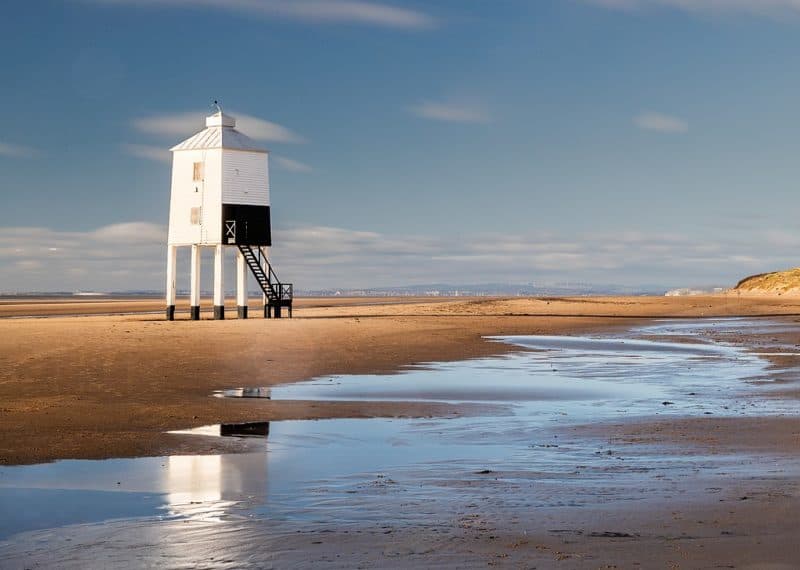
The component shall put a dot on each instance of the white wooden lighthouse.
(220, 198)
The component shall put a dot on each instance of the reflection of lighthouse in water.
(205, 486)
(192, 480)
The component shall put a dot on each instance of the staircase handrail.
(277, 291)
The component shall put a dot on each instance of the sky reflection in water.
(351, 470)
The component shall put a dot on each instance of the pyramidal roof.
(219, 133)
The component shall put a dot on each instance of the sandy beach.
(536, 263)
(110, 385)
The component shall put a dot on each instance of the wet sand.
(109, 386)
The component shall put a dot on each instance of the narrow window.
(196, 216)
(198, 172)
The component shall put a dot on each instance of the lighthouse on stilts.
(220, 198)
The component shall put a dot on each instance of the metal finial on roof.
(218, 106)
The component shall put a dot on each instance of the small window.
(196, 216)
(197, 176)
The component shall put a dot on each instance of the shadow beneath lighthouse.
(243, 430)
(249, 429)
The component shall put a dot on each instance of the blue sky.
(609, 141)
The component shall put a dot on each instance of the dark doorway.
(246, 225)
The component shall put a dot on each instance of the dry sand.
(109, 386)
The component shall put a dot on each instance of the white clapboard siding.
(186, 194)
(244, 178)
(232, 170)
(212, 207)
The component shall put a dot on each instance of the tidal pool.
(520, 455)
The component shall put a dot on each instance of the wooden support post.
(219, 282)
(241, 285)
(194, 285)
(265, 267)
(172, 254)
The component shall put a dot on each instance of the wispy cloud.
(290, 164)
(451, 112)
(317, 257)
(262, 130)
(186, 124)
(43, 259)
(130, 233)
(661, 123)
(148, 152)
(320, 257)
(762, 7)
(17, 151)
(320, 11)
(171, 125)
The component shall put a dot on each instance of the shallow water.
(317, 473)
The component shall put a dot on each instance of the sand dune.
(776, 283)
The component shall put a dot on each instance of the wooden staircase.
(278, 294)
